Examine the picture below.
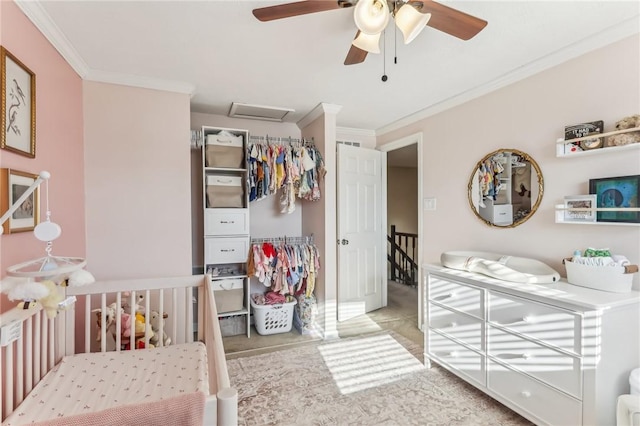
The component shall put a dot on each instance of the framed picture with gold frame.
(18, 119)
(13, 184)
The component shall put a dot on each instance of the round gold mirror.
(505, 188)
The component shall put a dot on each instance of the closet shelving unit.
(560, 153)
(226, 226)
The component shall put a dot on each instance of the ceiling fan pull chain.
(384, 56)
(395, 45)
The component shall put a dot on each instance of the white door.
(361, 249)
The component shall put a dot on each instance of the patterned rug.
(372, 380)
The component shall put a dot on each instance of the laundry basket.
(273, 319)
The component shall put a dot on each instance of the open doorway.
(404, 225)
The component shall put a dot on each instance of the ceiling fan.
(372, 16)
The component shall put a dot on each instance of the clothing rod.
(254, 138)
(286, 240)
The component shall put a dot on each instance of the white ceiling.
(220, 53)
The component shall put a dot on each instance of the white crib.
(32, 344)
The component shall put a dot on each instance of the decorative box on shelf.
(614, 279)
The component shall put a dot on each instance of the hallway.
(400, 315)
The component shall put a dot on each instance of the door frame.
(416, 138)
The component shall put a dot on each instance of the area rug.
(370, 380)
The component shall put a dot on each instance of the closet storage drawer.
(465, 328)
(224, 151)
(457, 296)
(545, 403)
(458, 358)
(226, 250)
(553, 326)
(558, 369)
(228, 294)
(225, 191)
(226, 221)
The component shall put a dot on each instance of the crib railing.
(41, 343)
(31, 345)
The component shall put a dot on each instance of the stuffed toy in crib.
(154, 320)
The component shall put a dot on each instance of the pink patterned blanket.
(183, 410)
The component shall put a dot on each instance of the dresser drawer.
(226, 250)
(549, 324)
(458, 358)
(555, 368)
(463, 327)
(457, 296)
(543, 402)
(226, 221)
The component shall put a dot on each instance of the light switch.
(429, 203)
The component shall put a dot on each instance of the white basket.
(614, 279)
(273, 319)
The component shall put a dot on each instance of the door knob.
(345, 242)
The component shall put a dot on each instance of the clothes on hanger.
(286, 268)
(294, 168)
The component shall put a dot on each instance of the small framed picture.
(18, 133)
(13, 184)
(617, 193)
(580, 202)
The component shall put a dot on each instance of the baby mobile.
(37, 282)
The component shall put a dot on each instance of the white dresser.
(558, 354)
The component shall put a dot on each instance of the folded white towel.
(620, 260)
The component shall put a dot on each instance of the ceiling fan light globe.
(371, 16)
(411, 22)
(368, 42)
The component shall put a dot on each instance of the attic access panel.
(258, 112)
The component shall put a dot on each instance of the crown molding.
(38, 15)
(322, 108)
(608, 36)
(35, 12)
(356, 133)
(142, 82)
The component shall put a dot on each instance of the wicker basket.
(273, 319)
(614, 279)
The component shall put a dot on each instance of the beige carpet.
(371, 380)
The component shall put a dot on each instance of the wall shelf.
(560, 144)
(561, 209)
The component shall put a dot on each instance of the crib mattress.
(91, 382)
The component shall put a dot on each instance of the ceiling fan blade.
(452, 21)
(288, 10)
(355, 55)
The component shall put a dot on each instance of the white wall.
(138, 195)
(530, 115)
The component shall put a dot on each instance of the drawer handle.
(454, 354)
(228, 221)
(453, 324)
(514, 356)
(527, 319)
(444, 297)
(525, 394)
(227, 250)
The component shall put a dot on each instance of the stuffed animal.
(24, 289)
(137, 303)
(154, 320)
(110, 318)
(50, 301)
(625, 138)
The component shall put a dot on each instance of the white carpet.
(372, 380)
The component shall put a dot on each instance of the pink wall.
(530, 115)
(59, 141)
(138, 200)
